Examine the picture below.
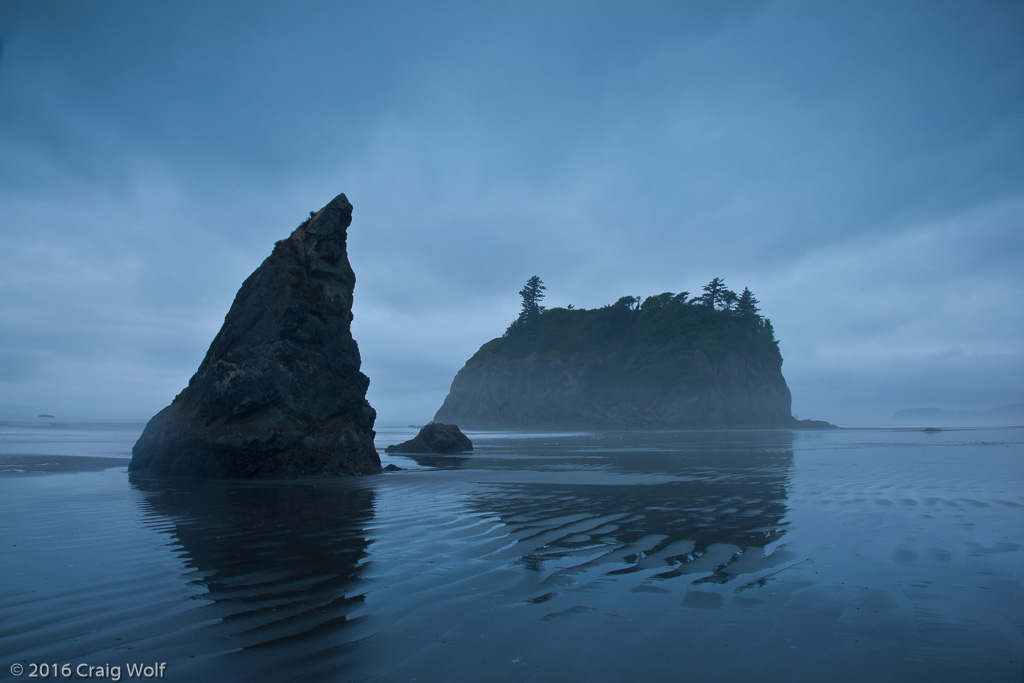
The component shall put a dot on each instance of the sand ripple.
(838, 558)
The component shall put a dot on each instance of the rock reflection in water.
(437, 461)
(276, 564)
(575, 556)
(717, 517)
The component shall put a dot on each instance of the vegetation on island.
(716, 321)
(667, 361)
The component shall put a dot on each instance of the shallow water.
(840, 556)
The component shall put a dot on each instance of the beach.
(881, 554)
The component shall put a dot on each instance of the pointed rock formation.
(279, 393)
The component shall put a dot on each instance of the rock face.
(615, 368)
(574, 390)
(435, 438)
(279, 393)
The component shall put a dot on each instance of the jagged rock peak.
(279, 393)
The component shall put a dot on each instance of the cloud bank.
(859, 168)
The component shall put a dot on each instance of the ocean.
(847, 555)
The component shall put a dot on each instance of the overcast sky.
(858, 165)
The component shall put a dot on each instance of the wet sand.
(840, 556)
(35, 463)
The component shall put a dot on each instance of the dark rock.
(666, 362)
(390, 467)
(814, 424)
(553, 389)
(279, 393)
(435, 438)
(931, 429)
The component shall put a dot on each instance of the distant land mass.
(1010, 415)
(670, 361)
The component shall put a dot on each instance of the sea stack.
(279, 393)
(667, 362)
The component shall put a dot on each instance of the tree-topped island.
(667, 361)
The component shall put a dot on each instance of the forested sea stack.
(670, 361)
(279, 393)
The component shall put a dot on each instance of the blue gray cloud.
(858, 166)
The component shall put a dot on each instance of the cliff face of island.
(670, 362)
(279, 393)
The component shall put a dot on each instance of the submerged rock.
(279, 393)
(435, 438)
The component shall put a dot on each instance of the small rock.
(435, 438)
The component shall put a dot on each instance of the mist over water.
(881, 554)
(95, 438)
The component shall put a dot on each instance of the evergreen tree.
(630, 303)
(656, 301)
(713, 292)
(532, 295)
(728, 299)
(746, 306)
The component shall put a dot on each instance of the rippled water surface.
(840, 556)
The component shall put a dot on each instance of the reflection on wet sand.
(721, 505)
(540, 546)
(839, 556)
(276, 564)
(437, 461)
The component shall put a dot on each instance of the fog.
(861, 169)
